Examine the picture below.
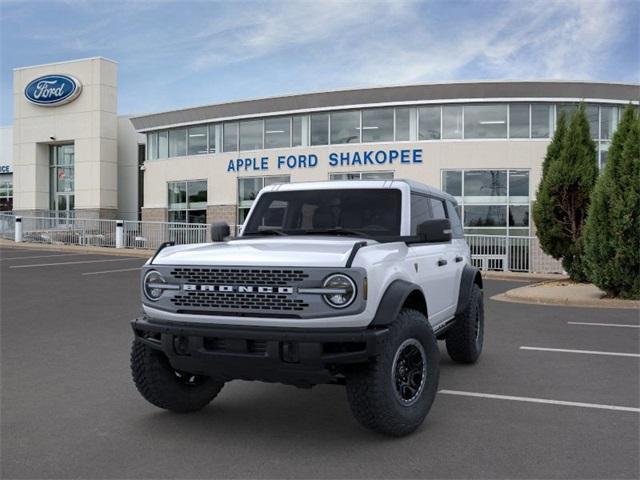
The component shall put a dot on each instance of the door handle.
(459, 259)
(442, 262)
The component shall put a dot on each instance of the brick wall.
(154, 214)
(222, 213)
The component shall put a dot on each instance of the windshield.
(371, 212)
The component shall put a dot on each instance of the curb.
(523, 276)
(125, 252)
(515, 296)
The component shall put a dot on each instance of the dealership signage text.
(334, 159)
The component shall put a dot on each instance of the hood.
(308, 251)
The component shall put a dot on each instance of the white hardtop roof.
(344, 184)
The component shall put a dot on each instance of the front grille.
(252, 347)
(239, 301)
(235, 276)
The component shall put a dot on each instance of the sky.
(176, 54)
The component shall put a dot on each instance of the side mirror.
(434, 231)
(219, 231)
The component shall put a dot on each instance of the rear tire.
(163, 386)
(393, 393)
(465, 338)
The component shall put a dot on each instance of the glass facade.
(384, 124)
(6, 192)
(62, 179)
(248, 189)
(187, 201)
(361, 176)
(492, 202)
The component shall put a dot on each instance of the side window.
(420, 211)
(456, 224)
(438, 209)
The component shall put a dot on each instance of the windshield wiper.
(266, 231)
(336, 231)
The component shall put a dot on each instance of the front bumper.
(293, 356)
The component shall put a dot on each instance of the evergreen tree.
(612, 233)
(563, 197)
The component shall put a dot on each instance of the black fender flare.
(394, 298)
(470, 276)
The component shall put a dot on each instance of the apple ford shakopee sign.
(53, 90)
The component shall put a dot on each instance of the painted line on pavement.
(41, 256)
(605, 324)
(113, 271)
(541, 400)
(588, 352)
(76, 263)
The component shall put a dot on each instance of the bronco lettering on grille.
(237, 289)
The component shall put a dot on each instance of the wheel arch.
(470, 276)
(398, 295)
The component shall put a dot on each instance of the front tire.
(393, 393)
(465, 338)
(163, 386)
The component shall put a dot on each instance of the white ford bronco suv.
(344, 282)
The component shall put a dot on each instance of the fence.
(488, 252)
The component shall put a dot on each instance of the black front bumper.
(294, 356)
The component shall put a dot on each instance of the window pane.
(178, 216)
(608, 122)
(541, 120)
(519, 216)
(296, 131)
(518, 186)
(377, 125)
(452, 121)
(197, 140)
(485, 121)
(230, 137)
(604, 152)
(485, 216)
(251, 135)
(452, 183)
(178, 142)
(197, 194)
(277, 132)
(345, 127)
(420, 211)
(152, 146)
(403, 124)
(197, 216)
(485, 186)
(429, 123)
(454, 216)
(275, 180)
(568, 109)
(320, 129)
(377, 176)
(592, 117)
(437, 208)
(519, 120)
(64, 179)
(212, 139)
(163, 144)
(248, 189)
(177, 195)
(345, 176)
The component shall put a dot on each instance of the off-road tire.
(162, 386)
(464, 342)
(371, 389)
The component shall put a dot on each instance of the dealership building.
(483, 142)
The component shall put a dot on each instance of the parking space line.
(588, 352)
(604, 324)
(541, 400)
(42, 256)
(113, 271)
(75, 263)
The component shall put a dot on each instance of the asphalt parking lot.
(565, 406)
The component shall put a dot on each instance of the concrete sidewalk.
(565, 292)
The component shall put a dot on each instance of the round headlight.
(150, 285)
(343, 290)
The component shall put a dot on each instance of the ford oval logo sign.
(53, 90)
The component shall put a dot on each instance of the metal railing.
(515, 254)
(152, 234)
(488, 252)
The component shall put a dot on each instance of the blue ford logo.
(53, 90)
